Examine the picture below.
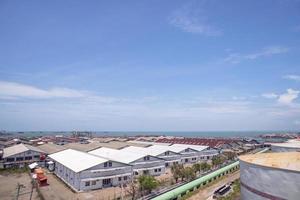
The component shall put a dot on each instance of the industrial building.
(83, 171)
(270, 176)
(141, 162)
(202, 152)
(20, 155)
(162, 152)
(290, 145)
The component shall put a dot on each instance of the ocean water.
(222, 134)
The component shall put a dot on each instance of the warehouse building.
(290, 145)
(20, 155)
(270, 176)
(203, 152)
(83, 171)
(162, 152)
(141, 162)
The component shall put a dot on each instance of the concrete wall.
(207, 154)
(154, 166)
(170, 158)
(259, 182)
(189, 156)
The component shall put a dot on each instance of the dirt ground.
(206, 193)
(57, 190)
(8, 187)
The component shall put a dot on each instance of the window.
(28, 157)
(93, 182)
(10, 159)
(20, 158)
(147, 158)
(106, 181)
(120, 178)
(186, 160)
(136, 173)
(105, 164)
(109, 164)
(159, 169)
(67, 175)
(155, 170)
(167, 153)
(193, 158)
(125, 178)
(87, 183)
(28, 152)
(37, 156)
(167, 164)
(186, 150)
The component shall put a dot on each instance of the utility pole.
(19, 186)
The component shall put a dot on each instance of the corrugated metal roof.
(51, 148)
(76, 160)
(195, 147)
(154, 150)
(19, 148)
(118, 155)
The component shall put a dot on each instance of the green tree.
(177, 171)
(217, 161)
(147, 183)
(189, 173)
(205, 166)
(197, 167)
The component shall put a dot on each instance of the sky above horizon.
(202, 65)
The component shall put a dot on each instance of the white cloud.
(193, 22)
(235, 58)
(292, 77)
(288, 97)
(9, 90)
(269, 95)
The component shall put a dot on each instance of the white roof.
(76, 160)
(19, 148)
(191, 146)
(33, 165)
(154, 150)
(118, 155)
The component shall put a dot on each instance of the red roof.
(211, 142)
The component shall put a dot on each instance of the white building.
(170, 157)
(141, 162)
(20, 155)
(204, 152)
(188, 154)
(83, 171)
(270, 176)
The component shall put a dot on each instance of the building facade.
(141, 162)
(21, 155)
(83, 171)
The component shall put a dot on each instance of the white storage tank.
(270, 176)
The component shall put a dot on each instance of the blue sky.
(150, 65)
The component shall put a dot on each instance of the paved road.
(209, 191)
